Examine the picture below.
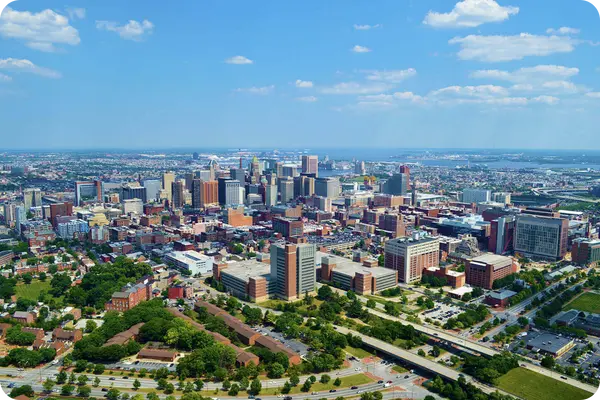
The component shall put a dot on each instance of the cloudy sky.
(300, 73)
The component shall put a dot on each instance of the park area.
(31, 291)
(587, 302)
(530, 385)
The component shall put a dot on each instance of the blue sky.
(309, 73)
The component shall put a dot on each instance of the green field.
(400, 369)
(348, 381)
(358, 352)
(530, 385)
(31, 291)
(588, 302)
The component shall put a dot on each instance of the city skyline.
(468, 74)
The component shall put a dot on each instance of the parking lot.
(441, 312)
(137, 365)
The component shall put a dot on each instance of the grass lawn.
(348, 381)
(31, 291)
(358, 352)
(399, 369)
(588, 302)
(530, 385)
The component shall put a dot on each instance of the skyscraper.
(88, 190)
(167, 184)
(541, 237)
(177, 194)
(293, 269)
(271, 195)
(152, 189)
(404, 169)
(238, 174)
(359, 168)
(130, 191)
(20, 217)
(209, 193)
(396, 185)
(229, 192)
(476, 196)
(410, 256)
(327, 187)
(310, 165)
(32, 197)
(10, 214)
(286, 188)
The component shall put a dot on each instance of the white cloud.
(132, 30)
(239, 60)
(40, 31)
(307, 99)
(263, 90)
(13, 64)
(356, 88)
(594, 95)
(76, 13)
(366, 27)
(469, 14)
(565, 30)
(546, 99)
(393, 76)
(508, 48)
(5, 78)
(483, 91)
(360, 49)
(528, 74)
(398, 96)
(303, 84)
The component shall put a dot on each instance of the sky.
(140, 74)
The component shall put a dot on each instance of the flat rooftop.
(548, 342)
(247, 269)
(350, 267)
(492, 259)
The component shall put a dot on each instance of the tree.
(371, 303)
(169, 388)
(337, 382)
(27, 278)
(72, 378)
(294, 379)
(84, 391)
(99, 369)
(324, 293)
(113, 394)
(234, 390)
(136, 384)
(82, 380)
(61, 377)
(152, 396)
(275, 370)
(67, 390)
(90, 326)
(48, 385)
(42, 276)
(548, 362)
(25, 390)
(255, 387)
(306, 386)
(325, 378)
(421, 353)
(198, 384)
(96, 382)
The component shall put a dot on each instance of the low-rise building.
(157, 354)
(23, 317)
(246, 279)
(63, 335)
(550, 344)
(192, 261)
(499, 298)
(483, 270)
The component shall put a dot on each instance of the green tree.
(255, 387)
(234, 390)
(96, 382)
(82, 380)
(337, 382)
(113, 394)
(61, 378)
(25, 390)
(548, 362)
(198, 384)
(136, 384)
(325, 378)
(84, 391)
(67, 390)
(48, 385)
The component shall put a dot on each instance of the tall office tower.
(209, 193)
(153, 187)
(129, 191)
(177, 194)
(203, 174)
(88, 190)
(238, 174)
(310, 165)
(327, 187)
(167, 184)
(255, 170)
(20, 217)
(195, 156)
(9, 214)
(293, 269)
(410, 256)
(189, 177)
(286, 188)
(309, 186)
(392, 223)
(279, 169)
(502, 197)
(32, 198)
(476, 196)
(414, 198)
(359, 168)
(60, 210)
(396, 185)
(404, 169)
(229, 192)
(271, 195)
(541, 237)
(196, 193)
(289, 171)
(299, 185)
(502, 234)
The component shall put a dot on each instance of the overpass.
(420, 362)
(442, 335)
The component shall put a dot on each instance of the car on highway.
(111, 379)
(104, 389)
(332, 391)
(354, 387)
(379, 382)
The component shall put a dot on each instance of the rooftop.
(350, 267)
(247, 269)
(548, 342)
